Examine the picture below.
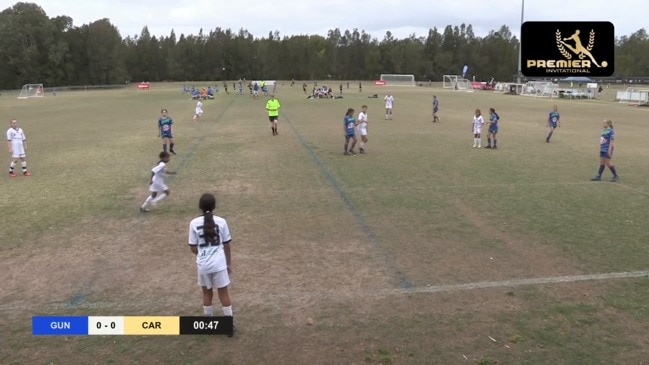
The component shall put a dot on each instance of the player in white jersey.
(199, 110)
(157, 186)
(478, 122)
(362, 127)
(389, 102)
(17, 146)
(209, 240)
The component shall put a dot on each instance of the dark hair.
(206, 204)
(492, 110)
(164, 111)
(163, 154)
(364, 106)
(350, 110)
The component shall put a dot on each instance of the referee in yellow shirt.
(272, 106)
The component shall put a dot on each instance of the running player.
(553, 122)
(349, 126)
(493, 128)
(17, 147)
(209, 240)
(478, 122)
(362, 127)
(157, 186)
(164, 131)
(606, 151)
(199, 110)
(389, 102)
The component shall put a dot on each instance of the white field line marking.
(241, 297)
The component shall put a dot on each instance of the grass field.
(422, 251)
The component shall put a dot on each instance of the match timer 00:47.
(207, 325)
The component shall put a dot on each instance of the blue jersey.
(350, 122)
(435, 105)
(553, 119)
(165, 126)
(494, 118)
(605, 139)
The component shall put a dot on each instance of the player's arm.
(610, 147)
(11, 149)
(151, 179)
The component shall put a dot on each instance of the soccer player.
(272, 106)
(225, 87)
(209, 240)
(360, 87)
(606, 151)
(17, 147)
(493, 128)
(255, 91)
(553, 122)
(389, 101)
(164, 131)
(362, 127)
(349, 126)
(199, 110)
(435, 109)
(478, 122)
(157, 186)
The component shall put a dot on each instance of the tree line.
(35, 48)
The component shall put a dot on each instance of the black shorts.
(273, 118)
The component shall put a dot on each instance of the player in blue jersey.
(435, 109)
(349, 127)
(606, 147)
(164, 131)
(493, 128)
(553, 122)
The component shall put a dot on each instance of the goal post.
(456, 82)
(31, 91)
(398, 79)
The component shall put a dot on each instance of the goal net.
(540, 88)
(456, 82)
(31, 91)
(398, 79)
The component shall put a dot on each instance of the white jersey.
(389, 100)
(362, 123)
(158, 180)
(478, 122)
(16, 137)
(199, 107)
(210, 257)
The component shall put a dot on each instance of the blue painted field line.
(401, 277)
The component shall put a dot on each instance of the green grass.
(321, 235)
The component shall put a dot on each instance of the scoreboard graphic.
(131, 325)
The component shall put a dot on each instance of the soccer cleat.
(172, 151)
(352, 152)
(27, 173)
(547, 140)
(346, 153)
(596, 178)
(361, 150)
(615, 178)
(488, 146)
(12, 174)
(144, 210)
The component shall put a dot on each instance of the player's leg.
(361, 148)
(610, 166)
(161, 196)
(347, 138)
(386, 113)
(602, 166)
(354, 141)
(479, 136)
(165, 141)
(550, 131)
(171, 144)
(495, 139)
(475, 138)
(23, 164)
(12, 166)
(145, 206)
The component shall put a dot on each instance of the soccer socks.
(146, 202)
(158, 198)
(601, 170)
(171, 148)
(208, 310)
(362, 145)
(488, 142)
(24, 166)
(164, 147)
(612, 168)
(495, 141)
(549, 136)
(12, 165)
(227, 311)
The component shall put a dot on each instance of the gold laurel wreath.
(563, 51)
(591, 40)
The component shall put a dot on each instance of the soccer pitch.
(423, 250)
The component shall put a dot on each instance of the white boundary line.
(182, 303)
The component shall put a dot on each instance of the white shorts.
(17, 151)
(199, 111)
(388, 107)
(362, 131)
(477, 130)
(158, 188)
(219, 279)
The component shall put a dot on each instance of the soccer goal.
(540, 88)
(31, 91)
(456, 82)
(398, 79)
(633, 96)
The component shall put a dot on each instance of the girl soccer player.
(553, 122)
(606, 151)
(164, 131)
(493, 128)
(478, 122)
(209, 240)
(17, 146)
(349, 126)
(157, 186)
(199, 110)
(362, 127)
